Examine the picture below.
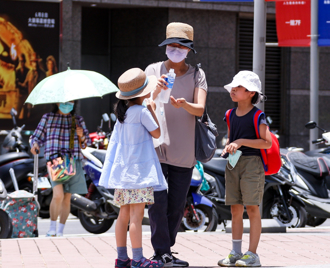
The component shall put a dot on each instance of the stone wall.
(300, 94)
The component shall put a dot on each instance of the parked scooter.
(6, 226)
(311, 186)
(322, 152)
(101, 138)
(96, 210)
(14, 155)
(278, 202)
(200, 213)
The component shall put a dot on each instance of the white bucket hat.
(249, 80)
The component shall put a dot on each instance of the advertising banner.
(29, 51)
(293, 23)
(324, 22)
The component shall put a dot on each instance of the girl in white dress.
(131, 166)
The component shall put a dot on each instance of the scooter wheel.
(314, 221)
(298, 213)
(94, 224)
(6, 226)
(208, 220)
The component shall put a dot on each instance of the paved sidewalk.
(297, 248)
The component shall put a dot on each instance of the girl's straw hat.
(134, 83)
(180, 33)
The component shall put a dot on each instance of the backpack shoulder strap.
(228, 116)
(256, 123)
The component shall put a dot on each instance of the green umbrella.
(70, 85)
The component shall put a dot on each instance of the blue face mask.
(233, 159)
(66, 107)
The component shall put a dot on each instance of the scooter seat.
(100, 155)
(217, 165)
(9, 157)
(316, 166)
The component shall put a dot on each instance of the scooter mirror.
(105, 117)
(113, 117)
(311, 125)
(13, 112)
(270, 120)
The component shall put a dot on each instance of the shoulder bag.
(205, 135)
(61, 166)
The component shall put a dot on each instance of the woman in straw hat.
(131, 166)
(177, 156)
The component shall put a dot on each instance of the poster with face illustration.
(29, 52)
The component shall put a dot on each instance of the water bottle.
(164, 95)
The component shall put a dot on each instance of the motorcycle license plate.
(43, 183)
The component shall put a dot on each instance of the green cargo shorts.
(245, 183)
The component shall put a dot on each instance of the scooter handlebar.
(318, 141)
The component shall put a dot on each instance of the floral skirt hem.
(134, 196)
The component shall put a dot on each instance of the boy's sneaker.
(177, 262)
(123, 264)
(59, 234)
(166, 259)
(231, 259)
(249, 259)
(146, 263)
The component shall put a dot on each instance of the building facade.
(111, 36)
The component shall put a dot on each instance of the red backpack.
(271, 158)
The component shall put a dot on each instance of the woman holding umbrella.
(53, 132)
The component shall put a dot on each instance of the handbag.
(205, 134)
(205, 138)
(62, 166)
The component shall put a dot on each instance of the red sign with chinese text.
(293, 23)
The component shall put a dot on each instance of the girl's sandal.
(146, 263)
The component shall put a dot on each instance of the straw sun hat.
(134, 83)
(180, 33)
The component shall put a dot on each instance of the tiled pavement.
(297, 248)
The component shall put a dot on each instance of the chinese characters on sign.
(293, 23)
(294, 3)
(41, 19)
(29, 52)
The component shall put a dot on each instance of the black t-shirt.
(242, 127)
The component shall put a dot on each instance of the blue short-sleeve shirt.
(131, 161)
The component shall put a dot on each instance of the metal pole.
(259, 40)
(314, 73)
(259, 49)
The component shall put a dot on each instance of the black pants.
(166, 213)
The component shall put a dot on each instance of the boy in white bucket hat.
(245, 180)
(250, 81)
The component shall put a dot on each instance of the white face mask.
(176, 54)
